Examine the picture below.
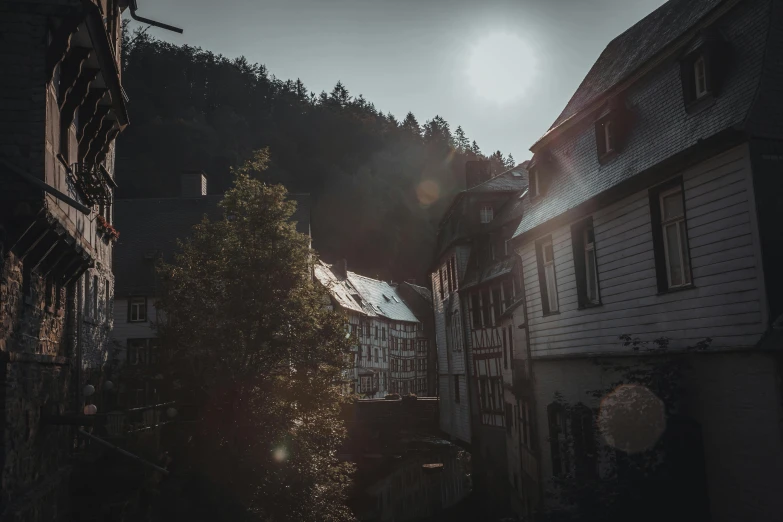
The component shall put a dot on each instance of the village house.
(653, 210)
(392, 350)
(151, 228)
(475, 283)
(61, 107)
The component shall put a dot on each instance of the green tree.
(247, 341)
(461, 140)
(411, 124)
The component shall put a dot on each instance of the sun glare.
(500, 67)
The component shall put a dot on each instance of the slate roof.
(422, 291)
(454, 226)
(149, 228)
(487, 272)
(661, 127)
(364, 295)
(627, 52)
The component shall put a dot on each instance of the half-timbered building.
(654, 212)
(387, 355)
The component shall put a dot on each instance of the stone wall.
(34, 378)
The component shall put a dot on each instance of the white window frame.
(590, 249)
(486, 214)
(608, 137)
(536, 183)
(549, 275)
(135, 307)
(700, 77)
(681, 229)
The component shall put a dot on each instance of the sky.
(501, 69)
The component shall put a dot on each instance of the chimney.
(477, 172)
(341, 268)
(193, 184)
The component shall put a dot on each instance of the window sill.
(547, 314)
(677, 289)
(699, 104)
(589, 305)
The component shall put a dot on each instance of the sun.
(500, 67)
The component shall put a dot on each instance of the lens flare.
(427, 192)
(631, 418)
(280, 454)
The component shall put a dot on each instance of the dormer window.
(700, 77)
(486, 214)
(703, 71)
(605, 137)
(533, 183)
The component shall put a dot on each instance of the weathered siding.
(725, 304)
(454, 417)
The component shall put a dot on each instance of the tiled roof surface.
(364, 295)
(422, 291)
(662, 128)
(627, 52)
(382, 297)
(510, 180)
(150, 227)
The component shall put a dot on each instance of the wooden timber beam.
(71, 69)
(77, 94)
(92, 129)
(61, 41)
(89, 109)
(97, 143)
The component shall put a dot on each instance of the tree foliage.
(248, 341)
(192, 109)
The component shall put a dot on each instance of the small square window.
(137, 309)
(486, 214)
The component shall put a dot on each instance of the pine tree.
(460, 140)
(248, 342)
(436, 131)
(411, 124)
(510, 163)
(474, 148)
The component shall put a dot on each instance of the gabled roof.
(509, 181)
(629, 51)
(364, 295)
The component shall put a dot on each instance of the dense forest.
(378, 184)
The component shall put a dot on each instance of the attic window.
(486, 214)
(703, 70)
(605, 138)
(534, 183)
(387, 298)
(700, 77)
(516, 174)
(357, 298)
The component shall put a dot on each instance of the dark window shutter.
(553, 411)
(657, 235)
(578, 246)
(542, 279)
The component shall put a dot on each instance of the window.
(670, 237)
(605, 137)
(454, 272)
(486, 214)
(585, 265)
(376, 355)
(367, 330)
(376, 332)
(700, 77)
(508, 293)
(442, 284)
(509, 422)
(94, 296)
(475, 309)
(533, 183)
(505, 350)
(558, 440)
(383, 333)
(546, 275)
(107, 289)
(496, 304)
(485, 312)
(137, 309)
(585, 456)
(456, 388)
(142, 351)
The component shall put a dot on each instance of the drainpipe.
(133, 6)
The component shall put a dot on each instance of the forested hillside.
(378, 184)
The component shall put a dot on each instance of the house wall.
(450, 341)
(726, 303)
(124, 330)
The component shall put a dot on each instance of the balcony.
(90, 180)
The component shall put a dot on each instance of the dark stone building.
(61, 107)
